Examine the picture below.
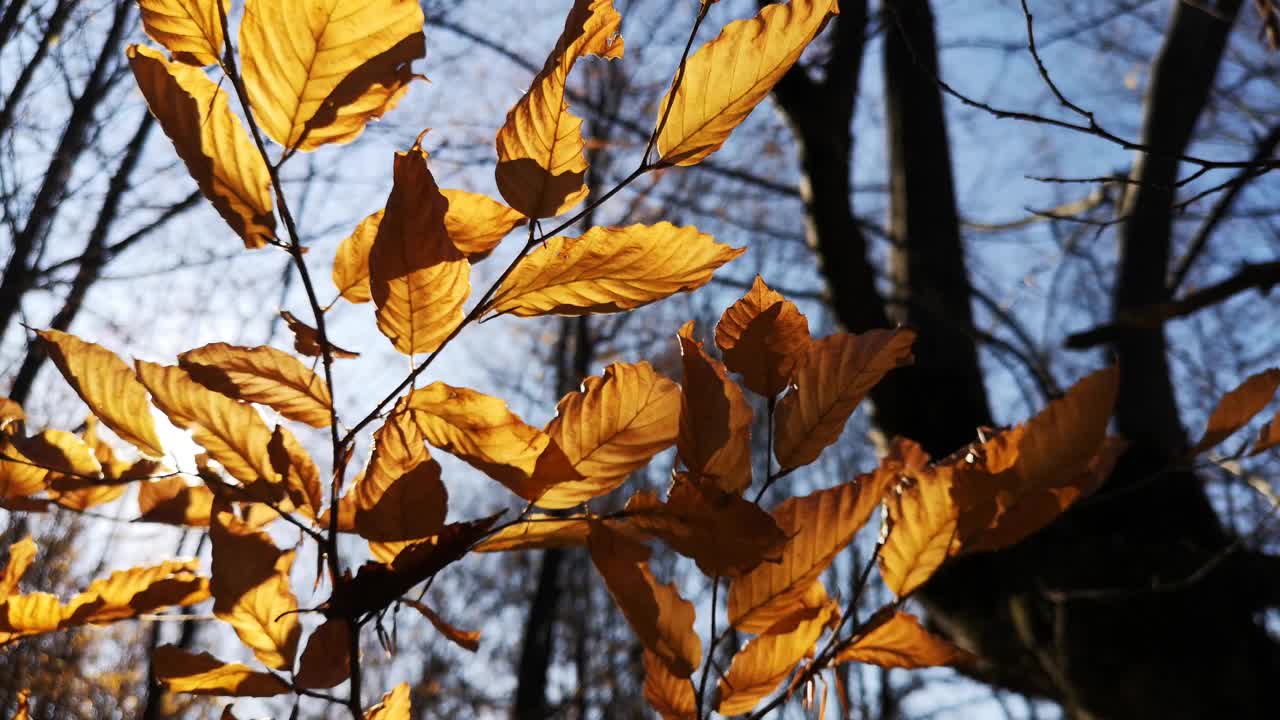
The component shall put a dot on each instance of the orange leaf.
(394, 705)
(611, 428)
(477, 223)
(660, 618)
(189, 29)
(671, 696)
(204, 674)
(61, 453)
(1237, 408)
(417, 278)
(541, 166)
(895, 639)
(174, 502)
(21, 555)
(326, 660)
(128, 593)
(105, 383)
(400, 498)
(23, 710)
(762, 336)
(1268, 437)
(465, 639)
(714, 442)
(299, 472)
(610, 269)
(262, 375)
(766, 661)
(539, 532)
(251, 589)
(10, 412)
(306, 339)
(831, 378)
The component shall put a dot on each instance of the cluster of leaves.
(316, 74)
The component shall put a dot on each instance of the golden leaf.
(417, 278)
(10, 412)
(82, 499)
(105, 383)
(541, 166)
(477, 223)
(251, 589)
(766, 661)
(818, 526)
(203, 674)
(895, 639)
(20, 476)
(611, 428)
(726, 78)
(174, 502)
(400, 498)
(61, 453)
(351, 261)
(318, 70)
(128, 593)
(831, 378)
(539, 532)
(262, 375)
(189, 29)
(394, 706)
(714, 442)
(671, 696)
(1237, 408)
(465, 639)
(761, 336)
(326, 661)
(922, 519)
(21, 555)
(306, 339)
(610, 269)
(30, 614)
(194, 113)
(23, 710)
(299, 472)
(232, 433)
(660, 618)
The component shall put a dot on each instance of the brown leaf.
(262, 375)
(400, 498)
(762, 336)
(174, 502)
(203, 674)
(894, 639)
(300, 475)
(394, 705)
(251, 589)
(766, 661)
(306, 339)
(1237, 408)
(1268, 436)
(465, 639)
(714, 442)
(671, 696)
(189, 29)
(326, 661)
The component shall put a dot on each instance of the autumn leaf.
(174, 502)
(233, 434)
(417, 278)
(610, 428)
(298, 57)
(818, 526)
(1237, 408)
(660, 618)
(306, 339)
(541, 166)
(297, 470)
(539, 532)
(894, 639)
(400, 498)
(30, 614)
(23, 709)
(194, 113)
(325, 662)
(106, 384)
(760, 667)
(20, 476)
(725, 79)
(10, 412)
(61, 453)
(831, 378)
(202, 674)
(394, 705)
(714, 440)
(351, 260)
(921, 518)
(610, 269)
(477, 223)
(189, 29)
(671, 696)
(1268, 436)
(262, 375)
(761, 336)
(138, 590)
(21, 555)
(465, 639)
(251, 589)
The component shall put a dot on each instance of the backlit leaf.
(394, 706)
(610, 428)
(351, 261)
(610, 269)
(128, 593)
(477, 223)
(318, 70)
(1268, 436)
(541, 166)
(298, 471)
(60, 452)
(203, 674)
(671, 696)
(1237, 408)
(174, 502)
(194, 113)
(325, 662)
(897, 640)
(832, 376)
(725, 79)
(21, 555)
(539, 532)
(714, 442)
(107, 385)
(306, 339)
(189, 29)
(251, 589)
(417, 278)
(262, 375)
(10, 412)
(465, 639)
(29, 614)
(20, 476)
(660, 618)
(761, 336)
(921, 516)
(760, 667)
(400, 498)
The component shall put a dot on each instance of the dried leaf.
(20, 476)
(671, 696)
(394, 705)
(922, 517)
(10, 412)
(539, 532)
(610, 269)
(326, 661)
(300, 475)
(191, 30)
(714, 442)
(21, 555)
(760, 667)
(203, 674)
(762, 336)
(251, 590)
(128, 593)
(1268, 436)
(400, 498)
(477, 223)
(306, 339)
(194, 113)
(174, 502)
(61, 453)
(1237, 408)
(351, 261)
(465, 639)
(262, 375)
(894, 639)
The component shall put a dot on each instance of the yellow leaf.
(540, 148)
(318, 70)
(20, 476)
(194, 113)
(726, 78)
(417, 278)
(895, 639)
(105, 383)
(299, 472)
(326, 661)
(174, 502)
(306, 339)
(922, 517)
(715, 424)
(465, 639)
(482, 431)
(766, 661)
(10, 412)
(539, 532)
(251, 589)
(82, 499)
(610, 269)
(21, 555)
(671, 696)
(818, 526)
(611, 428)
(23, 710)
(128, 593)
(400, 498)
(351, 261)
(61, 453)
(761, 336)
(1237, 408)
(30, 614)
(232, 433)
(660, 618)
(262, 375)
(189, 29)
(830, 379)
(203, 674)
(477, 223)
(394, 706)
